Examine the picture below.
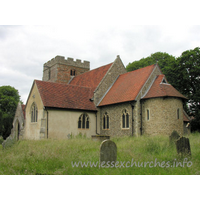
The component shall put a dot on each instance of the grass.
(55, 157)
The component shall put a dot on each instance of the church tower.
(61, 70)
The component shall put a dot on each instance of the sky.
(95, 31)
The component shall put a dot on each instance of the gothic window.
(125, 119)
(83, 121)
(106, 121)
(148, 114)
(72, 72)
(34, 113)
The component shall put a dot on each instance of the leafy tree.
(164, 60)
(9, 98)
(183, 73)
(187, 80)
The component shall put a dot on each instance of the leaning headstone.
(183, 146)
(173, 137)
(108, 151)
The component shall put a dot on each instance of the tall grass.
(56, 156)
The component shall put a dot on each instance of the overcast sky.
(96, 31)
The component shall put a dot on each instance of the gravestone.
(108, 151)
(173, 137)
(183, 146)
(69, 136)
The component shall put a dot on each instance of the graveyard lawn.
(152, 155)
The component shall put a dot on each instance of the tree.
(164, 61)
(9, 98)
(183, 73)
(187, 80)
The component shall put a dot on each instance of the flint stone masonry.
(115, 70)
(162, 116)
(108, 151)
(115, 119)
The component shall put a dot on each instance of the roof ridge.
(140, 69)
(92, 70)
(64, 84)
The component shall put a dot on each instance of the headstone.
(173, 137)
(183, 146)
(69, 136)
(108, 151)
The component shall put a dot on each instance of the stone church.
(71, 99)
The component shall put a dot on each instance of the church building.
(71, 99)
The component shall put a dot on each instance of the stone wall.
(162, 116)
(17, 131)
(116, 69)
(143, 91)
(115, 118)
(32, 129)
(58, 69)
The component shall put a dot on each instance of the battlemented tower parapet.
(69, 61)
(61, 70)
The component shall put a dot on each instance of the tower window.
(49, 74)
(72, 72)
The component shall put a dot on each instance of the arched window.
(125, 119)
(34, 113)
(84, 122)
(106, 121)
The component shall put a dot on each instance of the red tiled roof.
(91, 78)
(58, 95)
(159, 89)
(127, 86)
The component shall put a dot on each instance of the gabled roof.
(59, 95)
(127, 86)
(160, 89)
(91, 78)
